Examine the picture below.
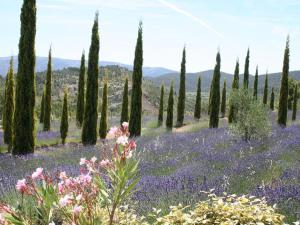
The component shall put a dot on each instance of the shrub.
(252, 116)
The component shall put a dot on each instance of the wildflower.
(66, 200)
(113, 131)
(82, 161)
(104, 163)
(132, 145)
(21, 186)
(37, 174)
(63, 176)
(128, 154)
(94, 159)
(52, 223)
(125, 125)
(122, 140)
(79, 197)
(76, 210)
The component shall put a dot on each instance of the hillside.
(59, 64)
(191, 79)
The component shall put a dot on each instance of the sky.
(204, 27)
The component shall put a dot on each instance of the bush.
(252, 116)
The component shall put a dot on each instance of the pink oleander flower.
(37, 174)
(21, 186)
(113, 131)
(85, 179)
(63, 176)
(132, 145)
(66, 200)
(125, 125)
(76, 210)
(82, 161)
(122, 140)
(104, 163)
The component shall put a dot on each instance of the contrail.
(189, 15)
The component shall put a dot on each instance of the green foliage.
(48, 93)
(292, 86)
(42, 107)
(181, 97)
(197, 112)
(125, 113)
(161, 106)
(169, 120)
(246, 71)
(284, 89)
(89, 128)
(80, 97)
(24, 121)
(295, 103)
(255, 84)
(64, 123)
(235, 86)
(215, 95)
(223, 102)
(252, 116)
(266, 90)
(272, 100)
(103, 120)
(9, 106)
(135, 124)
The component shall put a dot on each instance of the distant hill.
(191, 79)
(59, 64)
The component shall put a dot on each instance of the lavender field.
(177, 167)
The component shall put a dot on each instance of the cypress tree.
(89, 128)
(169, 120)
(103, 120)
(255, 84)
(246, 71)
(266, 90)
(80, 97)
(215, 95)
(24, 122)
(135, 123)
(181, 97)
(124, 114)
(235, 86)
(272, 101)
(64, 124)
(295, 103)
(283, 98)
(209, 100)
(161, 106)
(197, 112)
(9, 106)
(47, 109)
(3, 113)
(223, 103)
(42, 113)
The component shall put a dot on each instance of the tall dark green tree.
(295, 102)
(161, 106)
(215, 95)
(284, 89)
(266, 90)
(135, 122)
(24, 122)
(9, 106)
(80, 97)
(89, 128)
(169, 120)
(246, 71)
(103, 120)
(235, 86)
(48, 92)
(223, 102)
(197, 112)
(272, 100)
(64, 123)
(292, 86)
(209, 99)
(255, 84)
(181, 96)
(42, 113)
(125, 113)
(3, 112)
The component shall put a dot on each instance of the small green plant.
(252, 117)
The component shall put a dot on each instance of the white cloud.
(189, 15)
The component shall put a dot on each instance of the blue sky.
(203, 26)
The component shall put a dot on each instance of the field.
(176, 167)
